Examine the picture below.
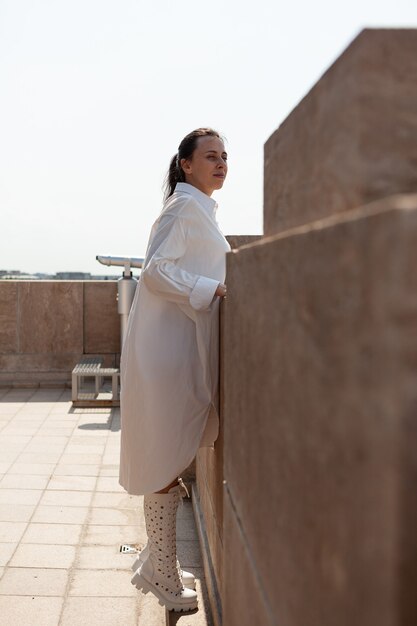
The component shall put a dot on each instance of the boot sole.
(145, 586)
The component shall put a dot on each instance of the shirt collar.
(202, 198)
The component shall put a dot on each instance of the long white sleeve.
(163, 274)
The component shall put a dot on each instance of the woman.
(169, 363)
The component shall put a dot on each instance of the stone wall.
(208, 497)
(46, 326)
(320, 461)
(352, 139)
(316, 519)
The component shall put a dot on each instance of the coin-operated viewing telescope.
(126, 286)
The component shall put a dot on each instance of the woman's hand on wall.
(221, 290)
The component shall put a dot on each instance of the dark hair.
(186, 148)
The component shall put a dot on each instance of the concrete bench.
(90, 367)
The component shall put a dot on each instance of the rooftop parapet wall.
(46, 326)
(319, 357)
(353, 137)
(320, 461)
(209, 476)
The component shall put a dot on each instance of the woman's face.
(207, 168)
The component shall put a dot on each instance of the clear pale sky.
(95, 96)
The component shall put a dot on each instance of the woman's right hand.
(221, 290)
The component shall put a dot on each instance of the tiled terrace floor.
(63, 517)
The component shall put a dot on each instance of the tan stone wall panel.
(212, 525)
(50, 318)
(8, 317)
(236, 241)
(101, 319)
(42, 328)
(244, 601)
(352, 139)
(320, 349)
(42, 362)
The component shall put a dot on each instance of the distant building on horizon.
(19, 275)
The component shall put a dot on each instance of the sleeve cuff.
(203, 292)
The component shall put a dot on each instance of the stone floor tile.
(47, 395)
(186, 510)
(151, 613)
(109, 483)
(94, 418)
(55, 431)
(103, 557)
(9, 456)
(43, 555)
(51, 440)
(6, 552)
(85, 449)
(77, 470)
(103, 410)
(117, 500)
(110, 470)
(14, 429)
(62, 534)
(66, 498)
(61, 408)
(111, 459)
(83, 459)
(36, 407)
(112, 451)
(16, 512)
(53, 451)
(21, 422)
(114, 438)
(60, 421)
(64, 454)
(20, 611)
(36, 469)
(11, 531)
(186, 530)
(86, 432)
(21, 581)
(8, 441)
(102, 583)
(60, 514)
(19, 481)
(116, 535)
(83, 435)
(28, 419)
(101, 612)
(72, 483)
(127, 517)
(19, 496)
(189, 553)
(35, 457)
(10, 408)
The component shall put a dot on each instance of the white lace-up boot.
(160, 572)
(188, 579)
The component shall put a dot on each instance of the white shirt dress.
(169, 361)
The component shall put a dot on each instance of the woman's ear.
(186, 166)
